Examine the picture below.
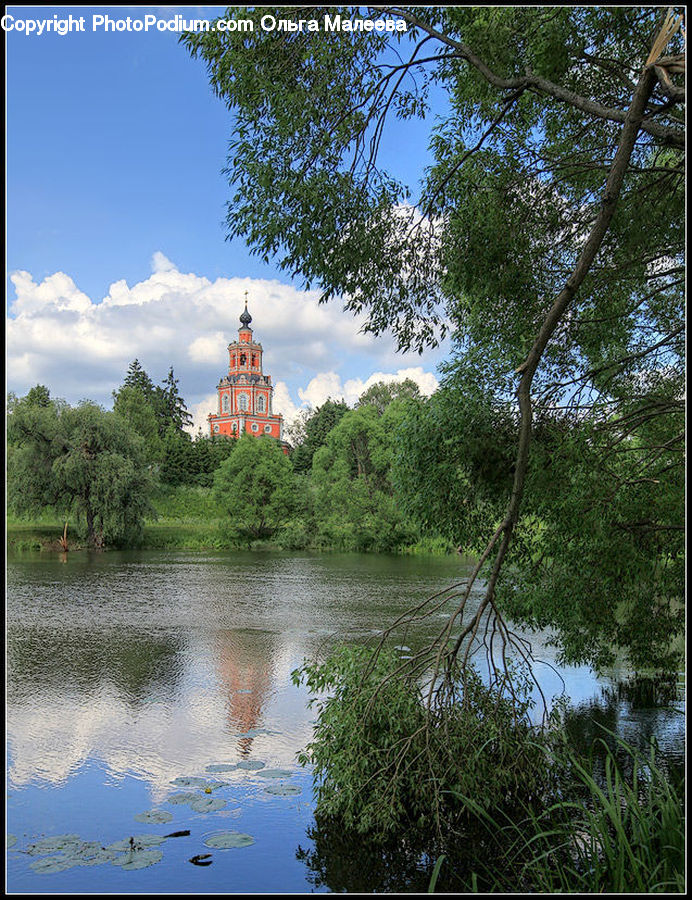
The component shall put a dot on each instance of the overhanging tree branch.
(672, 136)
(527, 369)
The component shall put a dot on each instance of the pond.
(135, 680)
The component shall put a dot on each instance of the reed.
(622, 830)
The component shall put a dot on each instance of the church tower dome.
(245, 317)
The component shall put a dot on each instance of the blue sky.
(115, 145)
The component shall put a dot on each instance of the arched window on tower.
(261, 403)
(243, 359)
(225, 406)
(242, 402)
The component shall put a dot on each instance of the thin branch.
(673, 136)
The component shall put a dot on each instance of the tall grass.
(621, 831)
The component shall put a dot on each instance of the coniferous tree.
(177, 458)
(172, 407)
(39, 395)
(138, 378)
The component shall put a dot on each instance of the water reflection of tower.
(245, 661)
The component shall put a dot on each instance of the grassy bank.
(187, 518)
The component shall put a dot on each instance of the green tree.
(39, 395)
(310, 433)
(256, 487)
(135, 407)
(152, 411)
(381, 394)
(205, 455)
(136, 377)
(453, 464)
(171, 406)
(85, 463)
(549, 231)
(354, 501)
(177, 458)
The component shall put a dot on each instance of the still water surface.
(129, 670)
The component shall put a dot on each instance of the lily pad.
(214, 785)
(220, 767)
(251, 764)
(154, 816)
(190, 781)
(10, 840)
(207, 804)
(138, 859)
(228, 840)
(276, 773)
(91, 853)
(54, 844)
(283, 790)
(53, 864)
(84, 848)
(182, 797)
(137, 842)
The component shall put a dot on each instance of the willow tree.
(547, 235)
(82, 462)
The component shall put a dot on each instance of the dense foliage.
(310, 431)
(346, 500)
(355, 506)
(599, 549)
(548, 234)
(82, 462)
(384, 762)
(256, 488)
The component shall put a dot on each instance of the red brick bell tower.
(245, 393)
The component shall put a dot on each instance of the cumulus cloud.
(282, 402)
(161, 263)
(329, 384)
(209, 347)
(58, 293)
(81, 347)
(200, 410)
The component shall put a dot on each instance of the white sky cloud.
(161, 263)
(329, 384)
(80, 347)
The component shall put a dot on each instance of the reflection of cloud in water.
(52, 732)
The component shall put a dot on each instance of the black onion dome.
(245, 317)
